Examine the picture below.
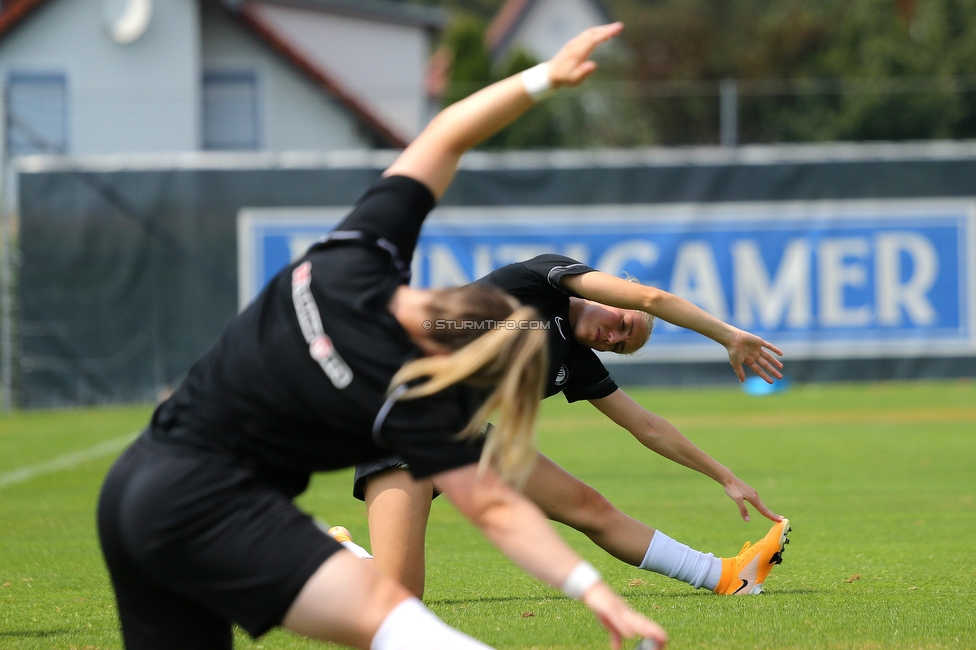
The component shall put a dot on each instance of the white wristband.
(580, 579)
(536, 81)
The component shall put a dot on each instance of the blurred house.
(541, 27)
(120, 76)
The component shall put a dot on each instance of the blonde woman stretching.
(587, 310)
(331, 366)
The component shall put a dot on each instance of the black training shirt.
(298, 380)
(574, 368)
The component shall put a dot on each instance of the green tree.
(835, 59)
(583, 117)
(470, 62)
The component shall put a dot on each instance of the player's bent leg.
(398, 508)
(348, 602)
(568, 500)
(344, 601)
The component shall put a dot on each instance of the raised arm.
(432, 158)
(519, 529)
(662, 437)
(743, 347)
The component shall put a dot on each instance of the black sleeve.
(393, 209)
(588, 378)
(425, 432)
(553, 268)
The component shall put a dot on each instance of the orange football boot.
(745, 573)
(340, 534)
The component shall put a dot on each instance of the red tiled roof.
(14, 11)
(505, 21)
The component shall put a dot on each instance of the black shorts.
(372, 468)
(196, 541)
(366, 470)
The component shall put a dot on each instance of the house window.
(230, 111)
(37, 114)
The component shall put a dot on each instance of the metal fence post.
(729, 112)
(6, 269)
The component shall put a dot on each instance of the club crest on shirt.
(562, 375)
(320, 346)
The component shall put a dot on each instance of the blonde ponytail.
(512, 357)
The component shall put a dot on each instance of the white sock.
(679, 561)
(350, 545)
(357, 550)
(411, 626)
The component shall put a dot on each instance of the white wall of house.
(293, 112)
(143, 96)
(381, 62)
(549, 24)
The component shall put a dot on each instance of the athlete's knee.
(593, 512)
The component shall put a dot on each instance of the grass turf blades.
(876, 479)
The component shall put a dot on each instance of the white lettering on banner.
(445, 269)
(892, 294)
(695, 278)
(865, 278)
(837, 272)
(777, 296)
(617, 256)
(482, 261)
(320, 346)
(789, 293)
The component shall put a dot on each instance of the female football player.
(332, 366)
(588, 310)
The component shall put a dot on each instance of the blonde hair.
(647, 318)
(511, 356)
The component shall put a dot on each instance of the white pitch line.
(67, 461)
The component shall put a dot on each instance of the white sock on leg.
(357, 550)
(411, 626)
(681, 562)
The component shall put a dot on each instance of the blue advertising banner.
(830, 279)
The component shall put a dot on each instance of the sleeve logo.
(319, 344)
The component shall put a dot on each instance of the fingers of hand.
(773, 360)
(756, 368)
(581, 72)
(576, 52)
(761, 507)
(600, 33)
(743, 511)
(631, 624)
(770, 368)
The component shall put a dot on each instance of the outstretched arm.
(432, 158)
(743, 347)
(660, 436)
(519, 529)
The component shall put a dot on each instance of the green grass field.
(879, 481)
